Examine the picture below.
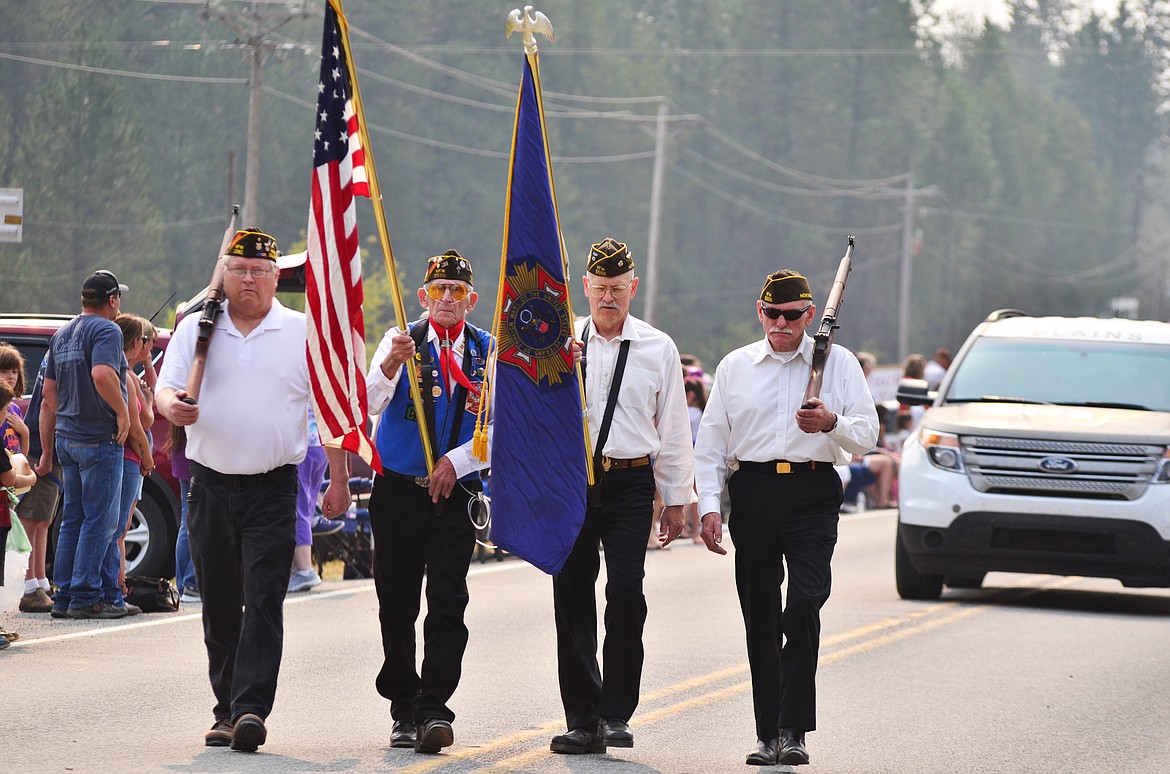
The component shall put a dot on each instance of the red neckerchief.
(451, 368)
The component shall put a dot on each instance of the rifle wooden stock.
(823, 340)
(210, 310)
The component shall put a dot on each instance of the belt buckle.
(423, 481)
(783, 467)
(606, 463)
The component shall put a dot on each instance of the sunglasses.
(458, 292)
(791, 315)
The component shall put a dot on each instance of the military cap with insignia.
(449, 266)
(610, 258)
(783, 286)
(253, 243)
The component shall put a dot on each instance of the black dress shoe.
(792, 749)
(615, 733)
(402, 733)
(764, 754)
(434, 735)
(577, 742)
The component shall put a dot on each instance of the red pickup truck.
(150, 543)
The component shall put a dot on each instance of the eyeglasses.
(617, 291)
(791, 315)
(458, 292)
(145, 339)
(241, 271)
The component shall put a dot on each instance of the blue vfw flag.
(538, 455)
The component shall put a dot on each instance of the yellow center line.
(897, 628)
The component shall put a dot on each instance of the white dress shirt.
(380, 389)
(750, 415)
(651, 413)
(254, 399)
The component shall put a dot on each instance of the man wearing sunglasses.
(785, 499)
(646, 444)
(421, 523)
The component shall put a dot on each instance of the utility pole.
(254, 24)
(655, 213)
(907, 260)
(907, 268)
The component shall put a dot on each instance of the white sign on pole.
(11, 214)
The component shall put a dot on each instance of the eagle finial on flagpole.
(529, 22)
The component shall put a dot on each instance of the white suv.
(1044, 451)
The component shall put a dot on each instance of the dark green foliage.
(1034, 150)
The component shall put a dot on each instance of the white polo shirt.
(254, 400)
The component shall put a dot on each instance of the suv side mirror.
(914, 392)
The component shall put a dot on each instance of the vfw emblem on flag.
(535, 331)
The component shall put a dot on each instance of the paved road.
(1029, 674)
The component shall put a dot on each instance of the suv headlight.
(1162, 472)
(942, 449)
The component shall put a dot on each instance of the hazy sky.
(996, 10)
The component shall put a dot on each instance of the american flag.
(336, 329)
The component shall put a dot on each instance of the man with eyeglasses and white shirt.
(646, 444)
(421, 524)
(785, 499)
(246, 434)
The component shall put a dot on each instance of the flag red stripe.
(333, 294)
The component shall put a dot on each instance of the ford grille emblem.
(1057, 465)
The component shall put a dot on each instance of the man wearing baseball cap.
(84, 418)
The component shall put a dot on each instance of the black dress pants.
(412, 540)
(621, 525)
(242, 532)
(779, 520)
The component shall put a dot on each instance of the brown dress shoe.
(34, 602)
(220, 734)
(250, 733)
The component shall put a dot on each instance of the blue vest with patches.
(397, 437)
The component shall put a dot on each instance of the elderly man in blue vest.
(421, 524)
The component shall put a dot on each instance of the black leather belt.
(470, 484)
(423, 481)
(782, 467)
(239, 480)
(609, 463)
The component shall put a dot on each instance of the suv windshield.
(1071, 373)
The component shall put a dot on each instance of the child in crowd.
(138, 458)
(184, 568)
(310, 476)
(15, 475)
(12, 426)
(38, 508)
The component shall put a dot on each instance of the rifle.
(823, 340)
(210, 310)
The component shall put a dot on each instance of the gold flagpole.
(530, 23)
(400, 317)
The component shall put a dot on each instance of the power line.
(780, 188)
(739, 202)
(467, 149)
(121, 73)
(124, 226)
